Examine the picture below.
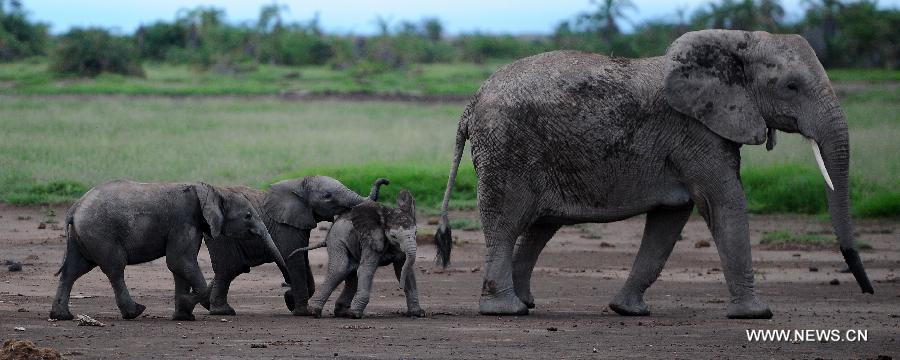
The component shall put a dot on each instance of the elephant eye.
(792, 86)
(327, 195)
(248, 216)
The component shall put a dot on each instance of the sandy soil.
(579, 272)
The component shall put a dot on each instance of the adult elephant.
(569, 137)
(290, 209)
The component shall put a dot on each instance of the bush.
(89, 52)
(20, 38)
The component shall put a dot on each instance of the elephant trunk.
(409, 248)
(273, 249)
(376, 188)
(831, 146)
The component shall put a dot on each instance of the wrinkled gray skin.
(369, 236)
(290, 209)
(124, 222)
(570, 137)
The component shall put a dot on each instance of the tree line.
(844, 34)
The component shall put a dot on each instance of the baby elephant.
(125, 222)
(369, 236)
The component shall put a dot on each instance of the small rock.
(552, 328)
(84, 320)
(605, 244)
(32, 257)
(19, 328)
(701, 244)
(258, 346)
(813, 269)
(15, 267)
(224, 320)
(594, 351)
(22, 310)
(42, 225)
(476, 269)
(834, 282)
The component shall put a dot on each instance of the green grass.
(162, 79)
(785, 239)
(52, 148)
(870, 75)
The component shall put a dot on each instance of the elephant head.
(743, 85)
(303, 202)
(230, 216)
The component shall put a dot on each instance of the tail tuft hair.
(443, 240)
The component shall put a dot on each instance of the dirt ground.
(577, 275)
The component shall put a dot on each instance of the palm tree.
(605, 17)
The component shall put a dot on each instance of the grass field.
(459, 79)
(162, 79)
(52, 148)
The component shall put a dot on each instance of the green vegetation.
(459, 80)
(788, 240)
(89, 52)
(53, 148)
(465, 224)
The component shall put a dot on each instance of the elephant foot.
(415, 313)
(341, 310)
(316, 312)
(135, 311)
(501, 304)
(61, 314)
(626, 305)
(748, 308)
(526, 298)
(224, 310)
(301, 311)
(182, 316)
(289, 300)
(355, 314)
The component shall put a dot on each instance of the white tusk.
(818, 154)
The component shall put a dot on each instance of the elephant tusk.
(818, 155)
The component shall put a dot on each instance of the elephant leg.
(183, 306)
(525, 255)
(115, 271)
(73, 268)
(364, 275)
(725, 211)
(218, 295)
(498, 296)
(342, 305)
(660, 234)
(335, 276)
(297, 297)
(413, 309)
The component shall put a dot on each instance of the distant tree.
(604, 19)
(434, 29)
(92, 51)
(20, 37)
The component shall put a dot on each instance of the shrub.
(89, 52)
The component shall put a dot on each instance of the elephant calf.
(369, 236)
(124, 222)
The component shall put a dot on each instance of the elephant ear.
(406, 203)
(705, 80)
(368, 221)
(211, 206)
(285, 204)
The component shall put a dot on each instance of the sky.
(358, 17)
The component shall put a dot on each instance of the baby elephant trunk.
(263, 233)
(408, 245)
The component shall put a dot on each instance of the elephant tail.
(308, 248)
(70, 236)
(443, 238)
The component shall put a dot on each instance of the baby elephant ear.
(368, 221)
(210, 201)
(705, 80)
(406, 202)
(285, 204)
